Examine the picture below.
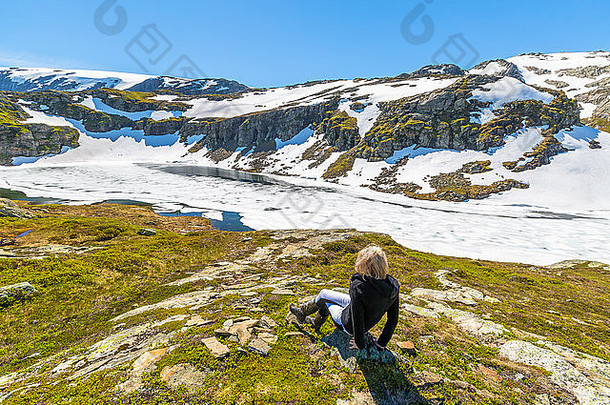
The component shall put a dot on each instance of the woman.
(372, 293)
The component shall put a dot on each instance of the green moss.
(341, 166)
(80, 293)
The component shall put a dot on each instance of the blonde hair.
(372, 262)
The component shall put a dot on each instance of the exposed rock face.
(588, 72)
(9, 209)
(506, 68)
(441, 120)
(585, 376)
(183, 374)
(601, 97)
(191, 87)
(443, 69)
(541, 154)
(28, 80)
(340, 130)
(64, 105)
(33, 140)
(133, 101)
(16, 293)
(29, 140)
(259, 130)
(161, 127)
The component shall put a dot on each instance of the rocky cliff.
(21, 139)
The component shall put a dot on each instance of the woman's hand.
(352, 345)
(378, 346)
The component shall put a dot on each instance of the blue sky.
(272, 43)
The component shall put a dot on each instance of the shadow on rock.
(385, 371)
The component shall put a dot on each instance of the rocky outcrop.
(600, 96)
(439, 119)
(64, 105)
(9, 209)
(541, 154)
(588, 72)
(340, 130)
(499, 67)
(34, 140)
(257, 131)
(191, 87)
(12, 294)
(132, 101)
(29, 140)
(436, 70)
(442, 120)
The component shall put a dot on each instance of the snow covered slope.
(581, 75)
(507, 130)
(39, 79)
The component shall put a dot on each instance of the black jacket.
(370, 299)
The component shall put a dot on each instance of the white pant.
(335, 302)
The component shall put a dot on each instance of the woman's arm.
(390, 325)
(357, 319)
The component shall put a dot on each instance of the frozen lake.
(487, 229)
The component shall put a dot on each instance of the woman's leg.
(333, 297)
(335, 302)
(326, 303)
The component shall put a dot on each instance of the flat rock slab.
(408, 347)
(259, 346)
(184, 374)
(217, 349)
(282, 291)
(267, 322)
(490, 374)
(585, 376)
(268, 337)
(198, 321)
(179, 301)
(430, 378)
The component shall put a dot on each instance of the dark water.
(231, 221)
(126, 202)
(227, 174)
(24, 234)
(19, 196)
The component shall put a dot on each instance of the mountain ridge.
(524, 105)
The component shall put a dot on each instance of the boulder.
(147, 232)
(9, 209)
(243, 336)
(16, 293)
